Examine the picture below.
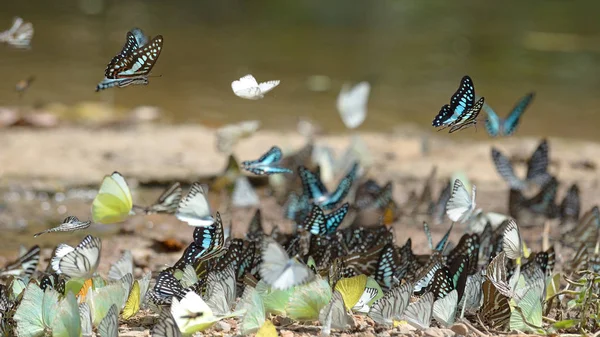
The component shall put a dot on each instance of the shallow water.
(413, 52)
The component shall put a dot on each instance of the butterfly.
(496, 308)
(534, 211)
(460, 207)
(313, 187)
(586, 230)
(392, 305)
(229, 135)
(352, 104)
(221, 290)
(318, 223)
(192, 314)
(243, 194)
(462, 110)
(167, 202)
(194, 208)
(78, 262)
(254, 318)
(134, 63)
(267, 163)
(247, 87)
(136, 297)
(25, 265)
(69, 224)
(122, 267)
(511, 241)
(109, 326)
(23, 85)
(441, 245)
(496, 126)
(113, 203)
(444, 309)
(335, 315)
(19, 35)
(208, 243)
(418, 314)
(85, 317)
(166, 326)
(570, 207)
(278, 270)
(537, 168)
(388, 268)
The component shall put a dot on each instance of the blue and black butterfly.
(316, 191)
(266, 164)
(462, 111)
(319, 223)
(496, 126)
(467, 246)
(208, 242)
(387, 266)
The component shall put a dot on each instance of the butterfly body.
(497, 126)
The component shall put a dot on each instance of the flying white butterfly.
(69, 224)
(279, 271)
(243, 194)
(194, 208)
(229, 135)
(19, 35)
(461, 205)
(247, 87)
(352, 104)
(78, 262)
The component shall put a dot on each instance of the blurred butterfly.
(318, 223)
(352, 104)
(69, 224)
(166, 326)
(134, 63)
(335, 315)
(221, 290)
(25, 265)
(537, 168)
(266, 164)
(122, 267)
(252, 302)
(536, 210)
(570, 207)
(462, 110)
(461, 205)
(19, 35)
(313, 187)
(231, 134)
(78, 262)
(243, 194)
(113, 203)
(41, 311)
(247, 87)
(496, 126)
(192, 314)
(23, 85)
(167, 202)
(194, 208)
(278, 270)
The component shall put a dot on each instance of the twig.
(475, 330)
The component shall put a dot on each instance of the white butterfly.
(247, 87)
(19, 35)
(166, 326)
(69, 224)
(352, 104)
(122, 267)
(444, 309)
(461, 205)
(109, 326)
(334, 315)
(511, 241)
(194, 208)
(78, 262)
(230, 134)
(279, 271)
(418, 314)
(85, 318)
(221, 291)
(391, 306)
(243, 193)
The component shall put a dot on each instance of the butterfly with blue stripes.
(319, 223)
(462, 110)
(497, 126)
(266, 164)
(208, 242)
(316, 191)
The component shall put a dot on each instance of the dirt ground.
(49, 160)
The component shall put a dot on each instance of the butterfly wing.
(83, 260)
(537, 165)
(113, 202)
(505, 169)
(194, 208)
(469, 118)
(109, 326)
(143, 59)
(512, 121)
(115, 65)
(464, 98)
(166, 326)
(492, 123)
(246, 87)
(122, 267)
(168, 201)
(460, 202)
(352, 104)
(243, 194)
(443, 116)
(312, 185)
(265, 87)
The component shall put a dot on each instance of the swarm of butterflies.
(339, 260)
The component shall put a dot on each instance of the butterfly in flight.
(352, 104)
(134, 63)
(266, 164)
(462, 111)
(497, 126)
(247, 87)
(19, 35)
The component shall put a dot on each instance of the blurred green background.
(413, 52)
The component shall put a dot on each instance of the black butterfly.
(534, 211)
(537, 168)
(319, 223)
(462, 111)
(255, 230)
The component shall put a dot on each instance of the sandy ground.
(62, 158)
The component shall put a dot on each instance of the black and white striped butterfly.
(134, 63)
(166, 326)
(109, 326)
(25, 265)
(78, 262)
(461, 205)
(392, 305)
(167, 202)
(418, 314)
(267, 163)
(122, 267)
(70, 224)
(537, 168)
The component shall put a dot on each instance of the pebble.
(286, 333)
(222, 326)
(448, 332)
(460, 329)
(433, 332)
(365, 334)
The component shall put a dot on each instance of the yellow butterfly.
(351, 289)
(267, 330)
(132, 306)
(113, 202)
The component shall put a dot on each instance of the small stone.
(286, 333)
(365, 334)
(222, 326)
(433, 332)
(460, 329)
(448, 332)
